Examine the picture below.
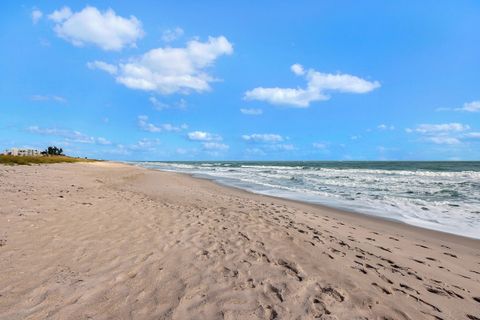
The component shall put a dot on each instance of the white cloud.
(171, 128)
(440, 128)
(266, 137)
(445, 133)
(318, 85)
(443, 140)
(297, 69)
(91, 26)
(60, 15)
(39, 97)
(385, 127)
(473, 135)
(36, 15)
(251, 111)
(473, 106)
(174, 70)
(159, 105)
(203, 136)
(143, 124)
(210, 142)
(68, 135)
(142, 145)
(215, 146)
(109, 68)
(170, 35)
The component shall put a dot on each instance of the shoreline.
(111, 240)
(340, 211)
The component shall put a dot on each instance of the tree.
(53, 151)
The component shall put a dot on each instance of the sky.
(228, 80)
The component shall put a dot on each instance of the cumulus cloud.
(251, 111)
(174, 70)
(170, 35)
(36, 15)
(100, 65)
(104, 29)
(145, 125)
(265, 137)
(210, 142)
(297, 69)
(473, 106)
(203, 136)
(68, 135)
(317, 89)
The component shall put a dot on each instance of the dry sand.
(111, 241)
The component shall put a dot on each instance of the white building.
(22, 152)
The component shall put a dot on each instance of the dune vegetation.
(28, 160)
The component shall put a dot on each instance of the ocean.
(438, 195)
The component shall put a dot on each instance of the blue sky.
(281, 80)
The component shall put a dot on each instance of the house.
(22, 152)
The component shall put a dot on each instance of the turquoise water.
(440, 195)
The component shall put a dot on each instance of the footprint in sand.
(292, 268)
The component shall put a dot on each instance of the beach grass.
(28, 160)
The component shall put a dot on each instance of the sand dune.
(111, 241)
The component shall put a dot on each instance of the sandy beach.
(112, 241)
